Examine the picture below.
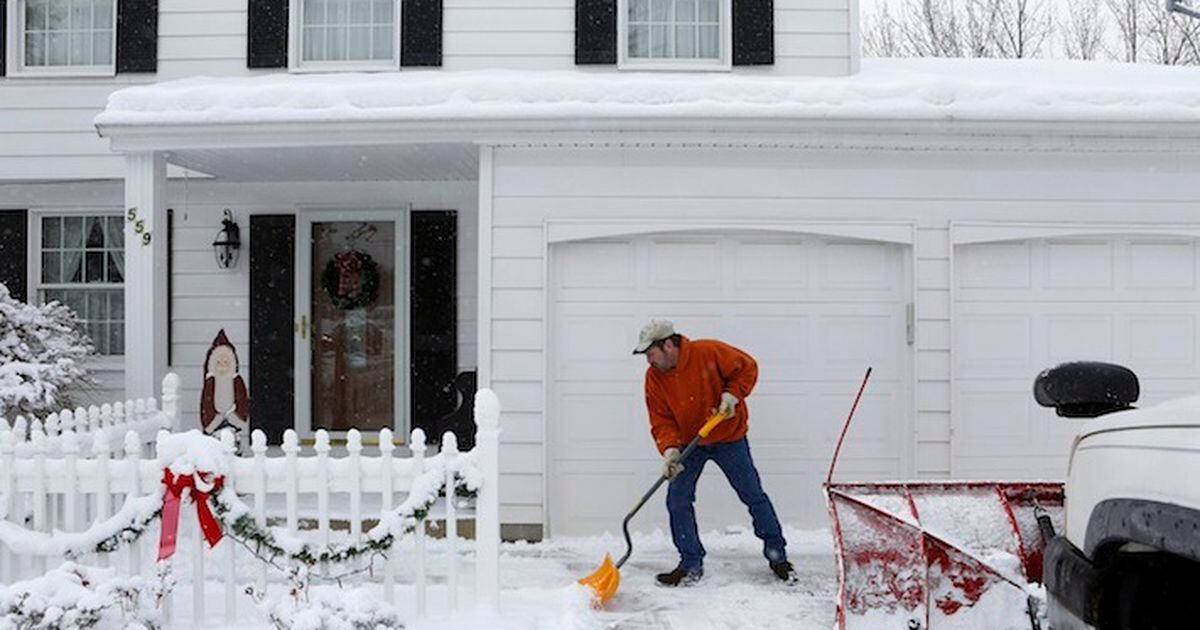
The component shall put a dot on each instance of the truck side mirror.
(1086, 389)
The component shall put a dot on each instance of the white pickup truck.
(1130, 554)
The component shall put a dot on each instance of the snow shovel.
(605, 580)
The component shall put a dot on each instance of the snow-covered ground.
(539, 590)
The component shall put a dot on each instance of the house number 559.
(139, 225)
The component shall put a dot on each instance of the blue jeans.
(733, 458)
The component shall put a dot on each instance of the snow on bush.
(41, 348)
(77, 596)
(353, 609)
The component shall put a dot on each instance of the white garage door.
(814, 312)
(1021, 307)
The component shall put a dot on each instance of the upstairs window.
(674, 34)
(63, 37)
(344, 34)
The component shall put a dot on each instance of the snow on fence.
(50, 499)
(114, 420)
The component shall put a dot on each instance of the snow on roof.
(885, 89)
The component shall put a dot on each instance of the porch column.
(145, 273)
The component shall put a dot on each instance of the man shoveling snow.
(686, 382)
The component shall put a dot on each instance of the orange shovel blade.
(603, 581)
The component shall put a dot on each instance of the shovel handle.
(712, 422)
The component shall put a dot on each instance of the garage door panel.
(776, 268)
(1076, 266)
(1160, 264)
(576, 268)
(852, 342)
(781, 343)
(1083, 336)
(1163, 344)
(993, 420)
(614, 418)
(683, 268)
(857, 266)
(992, 266)
(993, 345)
(589, 347)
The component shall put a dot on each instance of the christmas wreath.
(351, 280)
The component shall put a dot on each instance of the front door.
(350, 289)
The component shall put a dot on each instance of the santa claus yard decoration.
(224, 402)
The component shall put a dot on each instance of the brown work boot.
(784, 571)
(680, 577)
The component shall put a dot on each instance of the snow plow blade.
(936, 555)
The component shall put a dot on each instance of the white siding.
(46, 130)
(533, 185)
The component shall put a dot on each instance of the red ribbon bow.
(349, 267)
(170, 514)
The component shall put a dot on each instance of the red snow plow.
(930, 555)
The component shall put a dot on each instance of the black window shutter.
(267, 34)
(3, 33)
(421, 33)
(14, 243)
(595, 32)
(137, 36)
(272, 311)
(753, 32)
(434, 318)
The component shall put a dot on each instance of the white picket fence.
(115, 420)
(66, 492)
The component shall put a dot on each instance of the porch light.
(228, 242)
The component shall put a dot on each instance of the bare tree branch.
(1083, 31)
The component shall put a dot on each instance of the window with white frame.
(82, 265)
(64, 36)
(681, 33)
(345, 33)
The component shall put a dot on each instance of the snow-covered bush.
(41, 350)
(77, 596)
(353, 609)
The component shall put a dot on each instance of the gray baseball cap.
(656, 330)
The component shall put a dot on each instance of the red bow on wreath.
(171, 504)
(349, 266)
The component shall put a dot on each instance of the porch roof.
(903, 96)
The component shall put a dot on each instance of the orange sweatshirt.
(680, 400)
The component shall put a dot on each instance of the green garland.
(367, 290)
(245, 528)
(127, 534)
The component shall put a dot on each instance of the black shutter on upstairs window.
(421, 33)
(14, 243)
(595, 32)
(137, 36)
(272, 313)
(3, 32)
(753, 32)
(267, 34)
(434, 319)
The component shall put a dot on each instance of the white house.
(533, 179)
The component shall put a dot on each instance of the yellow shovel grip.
(713, 421)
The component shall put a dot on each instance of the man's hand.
(671, 464)
(728, 404)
